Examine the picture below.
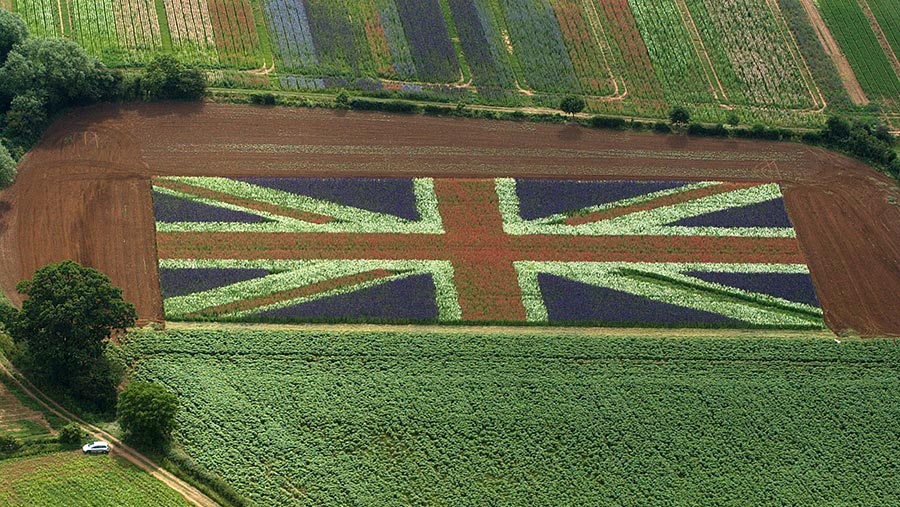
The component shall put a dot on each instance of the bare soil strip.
(848, 77)
(84, 192)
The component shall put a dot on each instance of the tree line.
(41, 76)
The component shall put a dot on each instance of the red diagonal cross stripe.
(481, 253)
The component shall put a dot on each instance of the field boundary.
(596, 332)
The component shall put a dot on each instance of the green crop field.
(381, 418)
(854, 33)
(72, 480)
(759, 58)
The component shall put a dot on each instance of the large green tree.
(147, 413)
(58, 70)
(167, 78)
(67, 318)
(12, 32)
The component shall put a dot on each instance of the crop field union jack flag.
(643, 253)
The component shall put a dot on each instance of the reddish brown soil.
(84, 192)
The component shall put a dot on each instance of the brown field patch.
(83, 193)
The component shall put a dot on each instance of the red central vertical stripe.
(486, 279)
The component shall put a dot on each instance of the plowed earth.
(84, 192)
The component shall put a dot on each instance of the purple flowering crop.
(408, 299)
(543, 197)
(168, 208)
(394, 196)
(797, 287)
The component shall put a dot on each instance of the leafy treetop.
(67, 318)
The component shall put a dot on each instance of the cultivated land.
(70, 479)
(771, 61)
(84, 192)
(529, 417)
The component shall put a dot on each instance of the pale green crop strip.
(649, 222)
(348, 219)
(761, 309)
(292, 274)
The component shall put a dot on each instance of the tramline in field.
(646, 253)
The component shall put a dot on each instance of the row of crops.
(378, 418)
(853, 32)
(70, 479)
(735, 52)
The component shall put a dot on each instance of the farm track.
(848, 77)
(83, 193)
(191, 494)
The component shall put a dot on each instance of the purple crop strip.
(797, 287)
(168, 208)
(429, 40)
(408, 299)
(569, 301)
(764, 214)
(541, 198)
(289, 27)
(394, 196)
(182, 281)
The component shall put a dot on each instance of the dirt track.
(84, 192)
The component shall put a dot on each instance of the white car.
(99, 447)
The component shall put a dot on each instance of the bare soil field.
(84, 192)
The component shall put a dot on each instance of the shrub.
(165, 77)
(12, 32)
(263, 99)
(147, 413)
(8, 445)
(342, 100)
(70, 434)
(572, 104)
(608, 123)
(679, 115)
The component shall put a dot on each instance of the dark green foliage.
(572, 104)
(70, 434)
(59, 71)
(698, 129)
(8, 445)
(12, 32)
(263, 99)
(391, 419)
(26, 118)
(733, 119)
(605, 122)
(679, 115)
(65, 321)
(146, 413)
(662, 127)
(7, 176)
(165, 77)
(837, 129)
(872, 143)
(342, 100)
(393, 106)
